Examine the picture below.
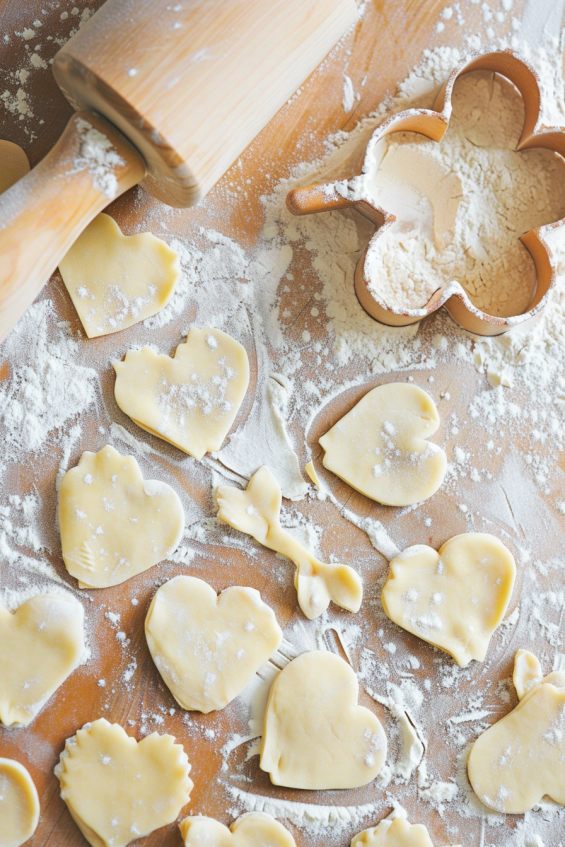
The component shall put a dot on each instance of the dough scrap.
(114, 524)
(41, 644)
(190, 401)
(521, 758)
(380, 446)
(118, 790)
(116, 280)
(255, 829)
(255, 511)
(455, 598)
(315, 734)
(19, 804)
(394, 832)
(13, 164)
(208, 647)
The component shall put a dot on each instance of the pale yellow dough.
(395, 832)
(208, 647)
(380, 447)
(190, 401)
(118, 790)
(315, 734)
(41, 643)
(256, 511)
(114, 524)
(13, 164)
(116, 280)
(19, 804)
(521, 759)
(256, 829)
(454, 598)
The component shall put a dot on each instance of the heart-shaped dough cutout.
(118, 790)
(117, 280)
(455, 598)
(315, 734)
(521, 759)
(13, 164)
(208, 647)
(394, 832)
(41, 644)
(380, 446)
(114, 524)
(19, 804)
(190, 401)
(256, 829)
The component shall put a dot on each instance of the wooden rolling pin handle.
(316, 198)
(44, 213)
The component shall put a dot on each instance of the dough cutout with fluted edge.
(118, 789)
(117, 280)
(521, 758)
(255, 829)
(207, 647)
(256, 511)
(190, 400)
(315, 735)
(19, 804)
(41, 644)
(394, 832)
(454, 598)
(114, 524)
(380, 446)
(14, 164)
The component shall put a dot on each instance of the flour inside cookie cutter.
(433, 124)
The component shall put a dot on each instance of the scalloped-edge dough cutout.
(117, 280)
(394, 831)
(190, 400)
(208, 647)
(14, 164)
(454, 598)
(255, 829)
(114, 524)
(118, 789)
(19, 804)
(315, 734)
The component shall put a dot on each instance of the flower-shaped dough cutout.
(521, 759)
(41, 644)
(192, 400)
(255, 829)
(19, 804)
(202, 669)
(13, 164)
(380, 446)
(454, 598)
(393, 832)
(114, 524)
(118, 789)
(315, 734)
(256, 511)
(117, 280)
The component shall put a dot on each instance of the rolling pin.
(168, 93)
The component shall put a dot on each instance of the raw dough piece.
(19, 804)
(256, 512)
(256, 829)
(454, 598)
(315, 735)
(118, 790)
(190, 401)
(114, 524)
(40, 645)
(521, 759)
(380, 446)
(394, 832)
(13, 164)
(207, 648)
(116, 280)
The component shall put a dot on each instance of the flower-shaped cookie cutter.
(433, 124)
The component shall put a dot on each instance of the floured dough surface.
(118, 790)
(191, 400)
(521, 758)
(315, 734)
(380, 447)
(41, 643)
(208, 647)
(13, 164)
(455, 598)
(256, 829)
(114, 524)
(116, 280)
(19, 804)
